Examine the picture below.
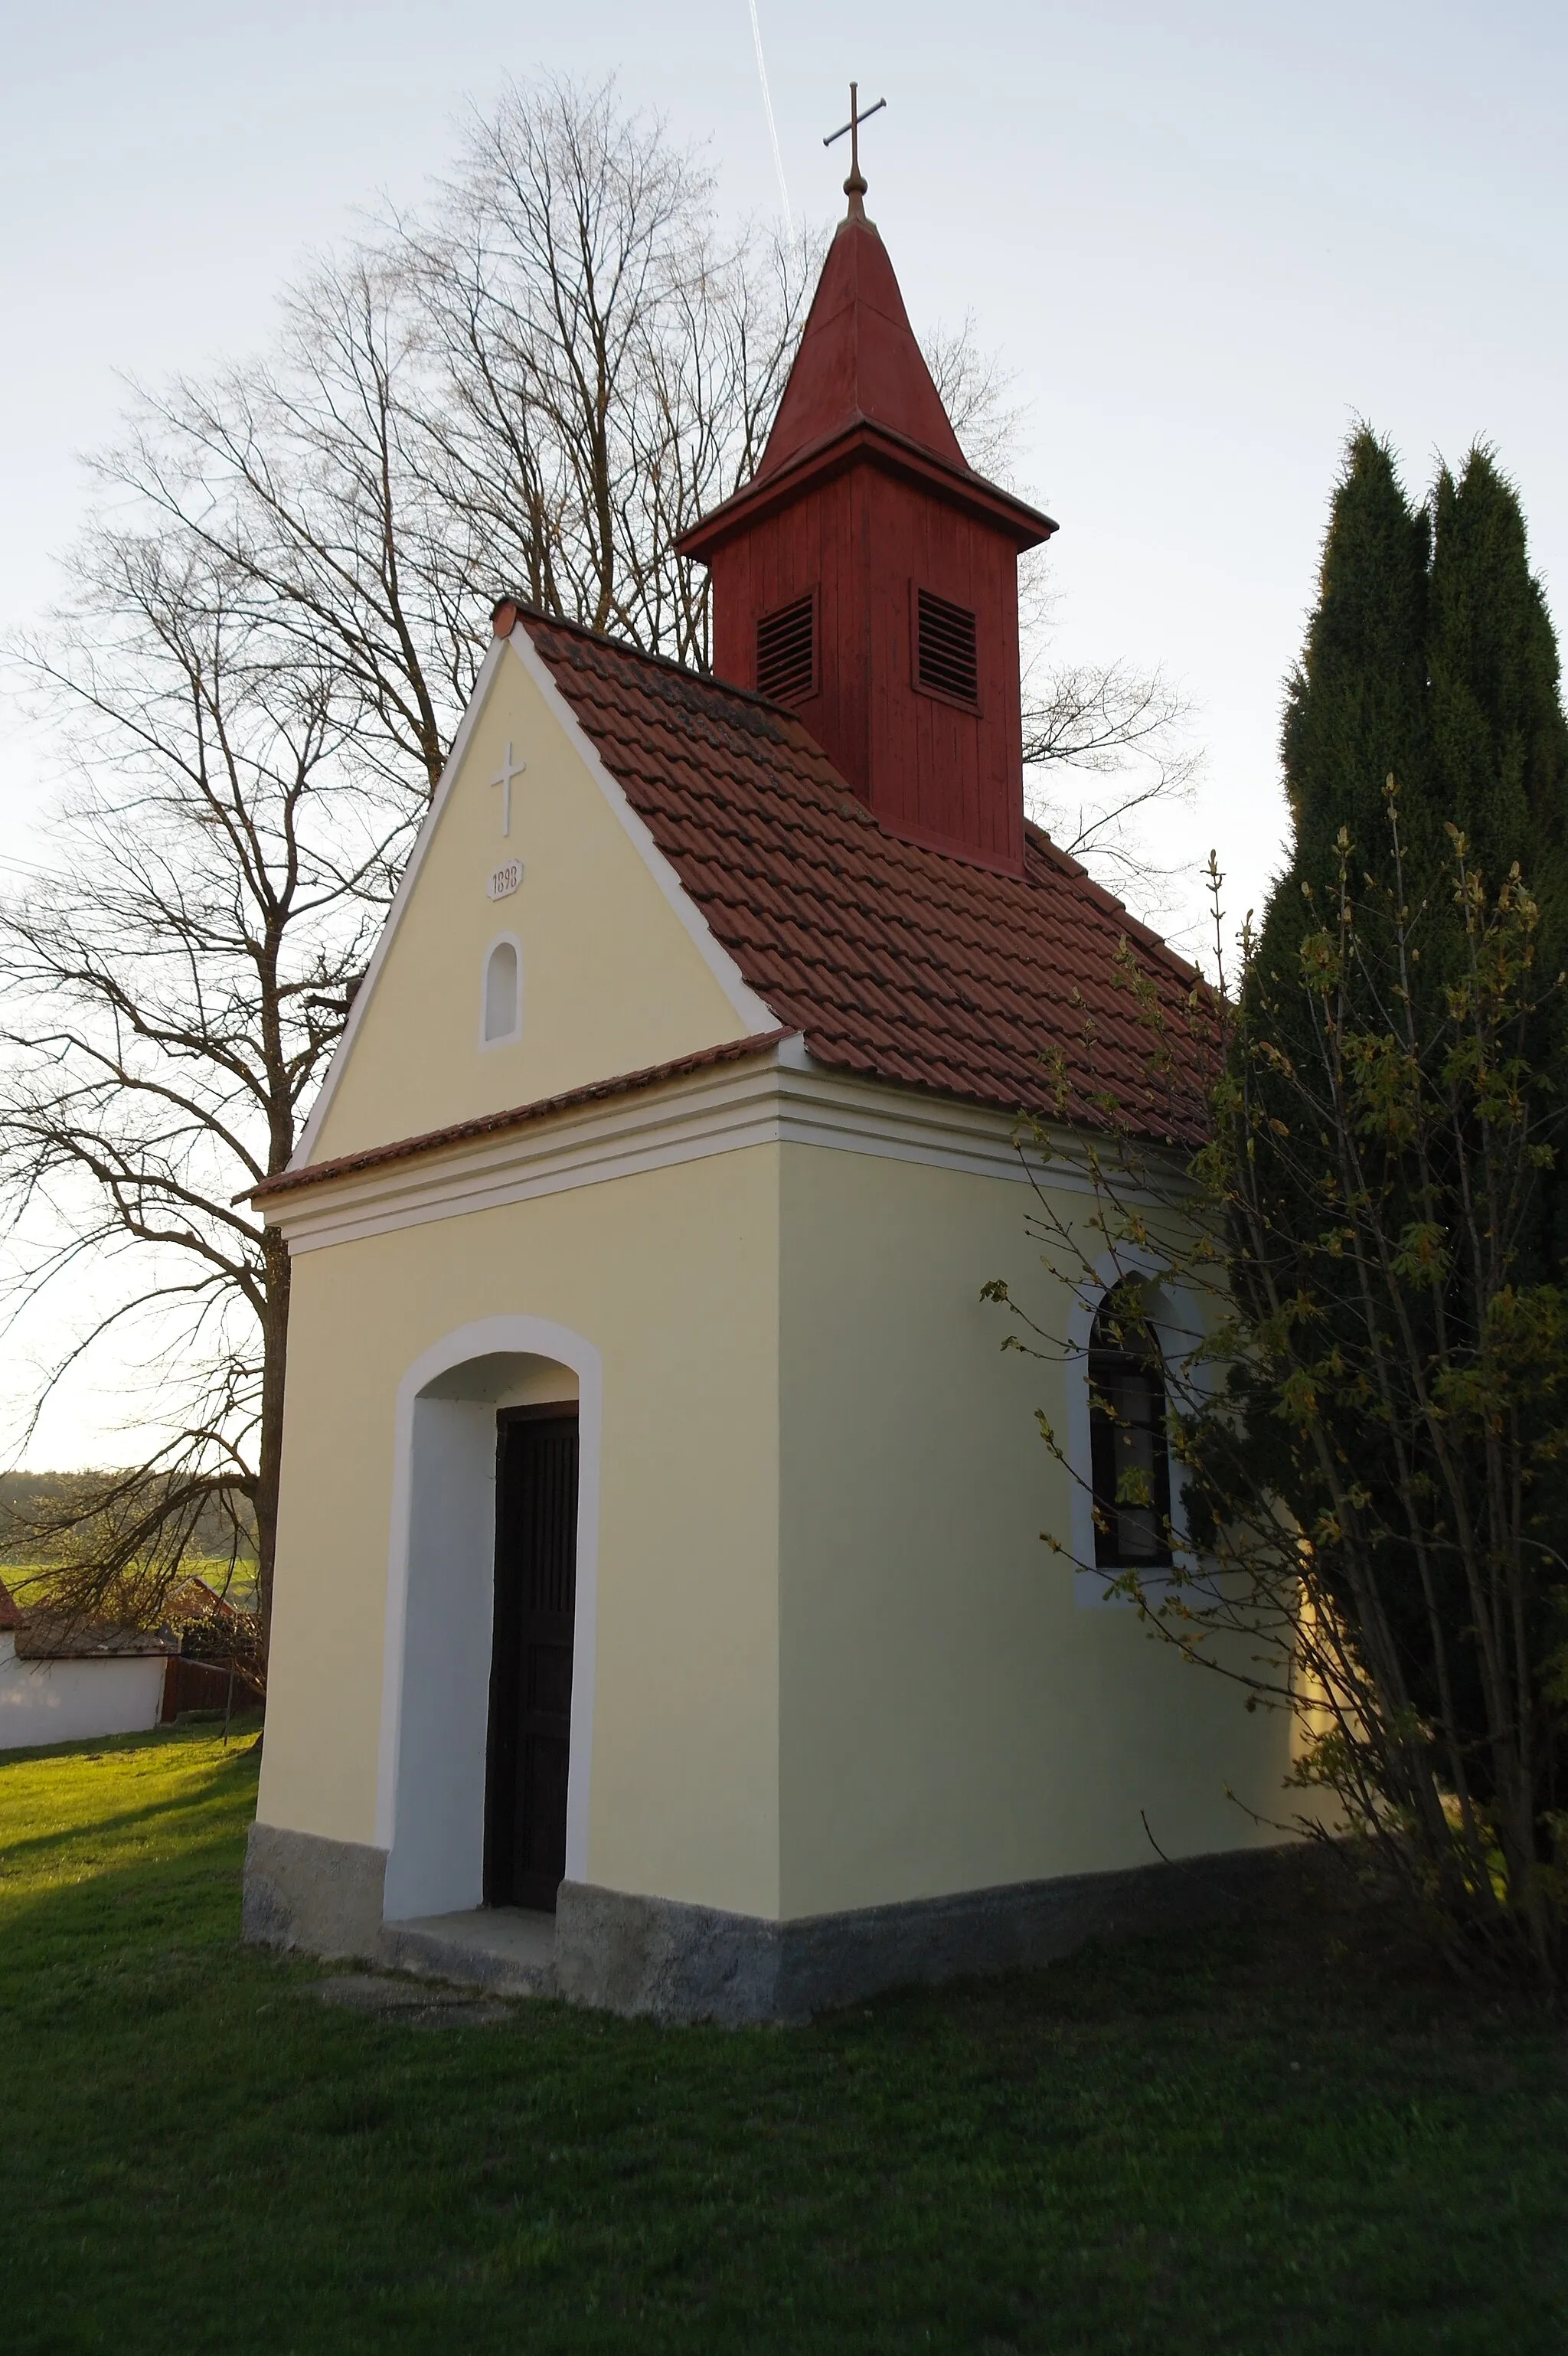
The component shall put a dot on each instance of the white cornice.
(782, 1099)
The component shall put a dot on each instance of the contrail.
(773, 126)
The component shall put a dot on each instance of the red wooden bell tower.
(868, 578)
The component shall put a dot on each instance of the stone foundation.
(675, 1962)
(324, 1896)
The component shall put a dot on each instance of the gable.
(618, 972)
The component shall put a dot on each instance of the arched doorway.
(437, 1799)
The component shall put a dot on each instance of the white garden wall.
(67, 1701)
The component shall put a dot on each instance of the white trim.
(501, 1038)
(1174, 1316)
(778, 1098)
(492, 1337)
(484, 680)
(744, 1003)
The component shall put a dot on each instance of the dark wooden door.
(530, 1664)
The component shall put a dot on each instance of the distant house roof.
(195, 1599)
(48, 1636)
(895, 961)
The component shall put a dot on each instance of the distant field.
(1250, 2141)
(19, 1577)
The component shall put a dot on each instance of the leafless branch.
(173, 983)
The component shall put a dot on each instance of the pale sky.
(1206, 239)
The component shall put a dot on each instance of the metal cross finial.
(855, 186)
(509, 769)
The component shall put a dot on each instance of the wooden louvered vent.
(945, 661)
(786, 652)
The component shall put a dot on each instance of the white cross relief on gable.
(508, 770)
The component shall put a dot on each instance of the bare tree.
(1108, 745)
(543, 381)
(612, 362)
(262, 676)
(173, 987)
(1104, 744)
(314, 479)
(711, 382)
(542, 275)
(979, 392)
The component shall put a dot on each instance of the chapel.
(661, 1615)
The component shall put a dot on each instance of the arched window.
(1130, 1460)
(503, 1007)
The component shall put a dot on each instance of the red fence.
(204, 1685)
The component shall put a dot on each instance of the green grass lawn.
(1247, 2140)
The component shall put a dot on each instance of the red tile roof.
(895, 961)
(498, 1124)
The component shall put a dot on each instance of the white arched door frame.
(444, 1452)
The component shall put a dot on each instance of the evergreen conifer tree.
(1500, 752)
(1431, 657)
(1498, 737)
(1356, 707)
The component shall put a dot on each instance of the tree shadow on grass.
(93, 1895)
(226, 1776)
(244, 1731)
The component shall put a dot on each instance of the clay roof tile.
(893, 961)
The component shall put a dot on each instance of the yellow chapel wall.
(612, 982)
(949, 1716)
(672, 1275)
(835, 1665)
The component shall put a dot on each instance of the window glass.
(1131, 1467)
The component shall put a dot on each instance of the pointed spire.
(859, 392)
(859, 361)
(866, 535)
